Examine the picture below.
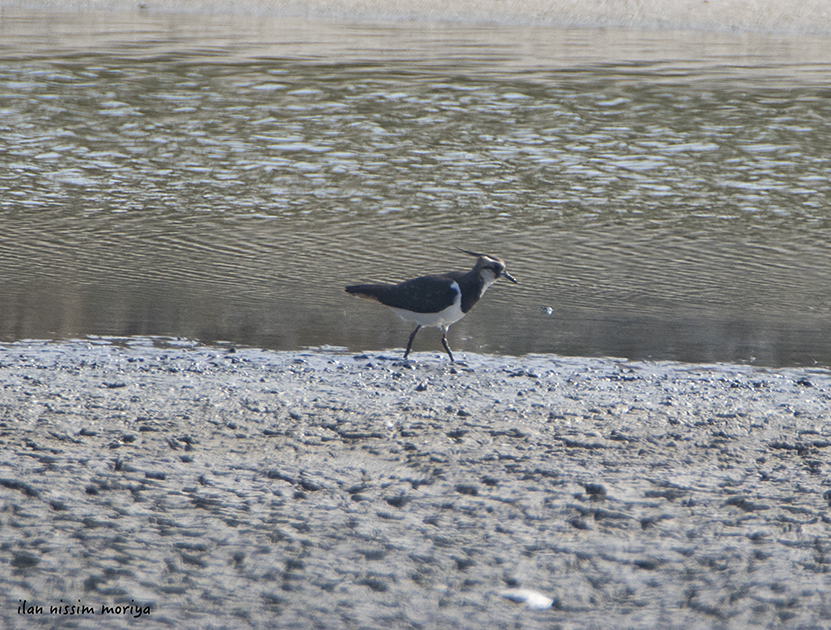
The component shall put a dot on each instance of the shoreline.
(248, 486)
(733, 16)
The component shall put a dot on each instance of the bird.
(437, 300)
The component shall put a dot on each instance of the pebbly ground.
(237, 489)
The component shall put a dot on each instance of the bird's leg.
(444, 343)
(410, 342)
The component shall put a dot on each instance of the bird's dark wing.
(427, 294)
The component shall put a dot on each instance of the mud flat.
(166, 484)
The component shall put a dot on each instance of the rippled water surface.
(657, 194)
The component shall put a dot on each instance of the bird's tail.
(366, 291)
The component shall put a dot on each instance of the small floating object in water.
(531, 599)
(546, 310)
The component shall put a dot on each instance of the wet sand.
(213, 488)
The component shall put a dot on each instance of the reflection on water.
(657, 195)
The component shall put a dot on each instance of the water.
(658, 194)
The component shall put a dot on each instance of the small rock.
(596, 490)
(532, 599)
(398, 501)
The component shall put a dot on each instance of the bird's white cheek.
(488, 278)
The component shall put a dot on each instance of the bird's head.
(490, 268)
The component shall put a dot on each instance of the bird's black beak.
(510, 277)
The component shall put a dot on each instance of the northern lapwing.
(438, 300)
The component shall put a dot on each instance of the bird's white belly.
(450, 315)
